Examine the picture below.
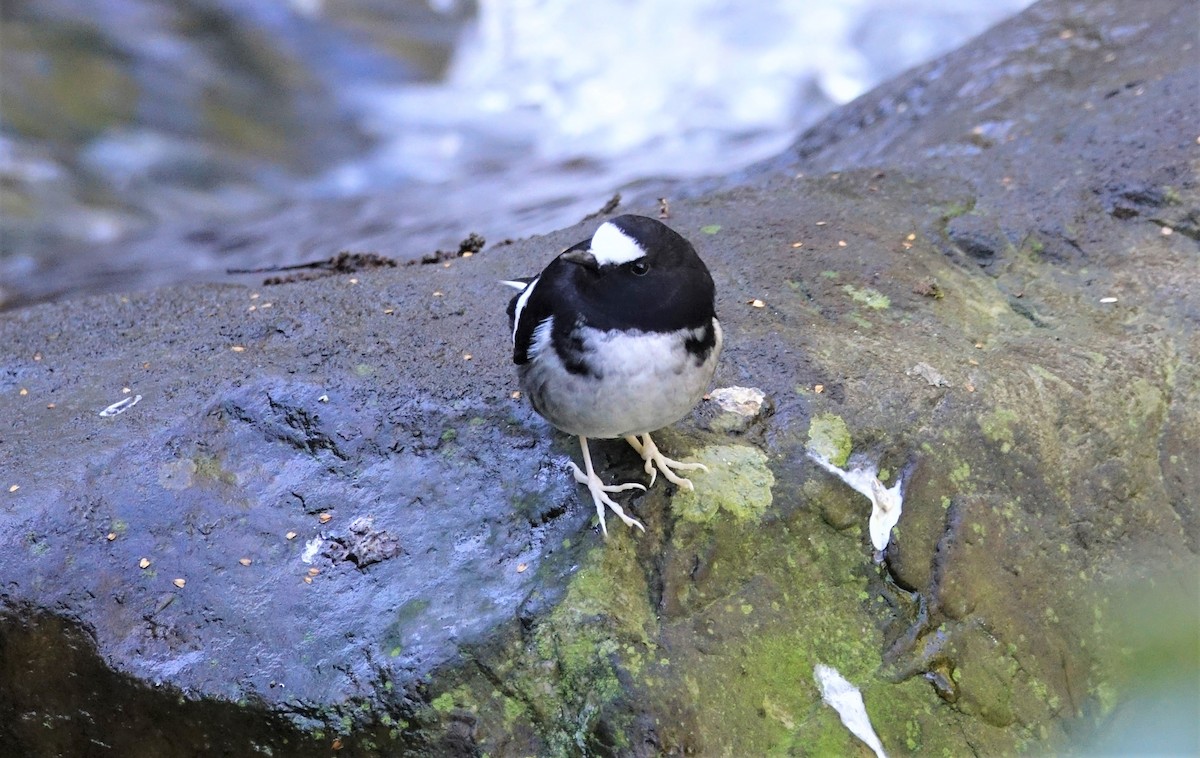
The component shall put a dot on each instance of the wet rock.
(384, 552)
(1127, 200)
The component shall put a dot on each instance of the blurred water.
(123, 118)
(541, 91)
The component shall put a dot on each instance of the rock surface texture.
(327, 526)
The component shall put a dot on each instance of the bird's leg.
(656, 461)
(599, 488)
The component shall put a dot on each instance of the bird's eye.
(639, 267)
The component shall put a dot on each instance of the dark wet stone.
(975, 237)
(355, 537)
(1127, 200)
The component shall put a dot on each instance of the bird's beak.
(583, 258)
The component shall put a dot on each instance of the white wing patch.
(522, 299)
(541, 337)
(612, 246)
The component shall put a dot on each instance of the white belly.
(647, 381)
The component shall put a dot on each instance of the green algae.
(596, 641)
(746, 661)
(210, 467)
(954, 209)
(997, 426)
(868, 296)
(444, 703)
(738, 483)
(829, 436)
(960, 474)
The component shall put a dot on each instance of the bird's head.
(631, 247)
(637, 269)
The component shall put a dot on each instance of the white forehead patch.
(611, 246)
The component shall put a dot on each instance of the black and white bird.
(618, 337)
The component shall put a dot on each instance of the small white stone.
(929, 374)
(744, 401)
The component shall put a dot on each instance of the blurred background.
(145, 142)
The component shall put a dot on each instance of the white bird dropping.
(845, 698)
(886, 503)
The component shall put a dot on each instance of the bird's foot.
(656, 461)
(599, 491)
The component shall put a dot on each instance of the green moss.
(443, 703)
(738, 482)
(711, 228)
(751, 690)
(829, 436)
(513, 709)
(868, 296)
(1145, 404)
(997, 426)
(209, 467)
(611, 585)
(602, 630)
(955, 209)
(961, 474)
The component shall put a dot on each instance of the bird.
(618, 337)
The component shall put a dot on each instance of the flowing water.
(121, 118)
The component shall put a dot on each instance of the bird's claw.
(656, 461)
(598, 490)
(582, 478)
